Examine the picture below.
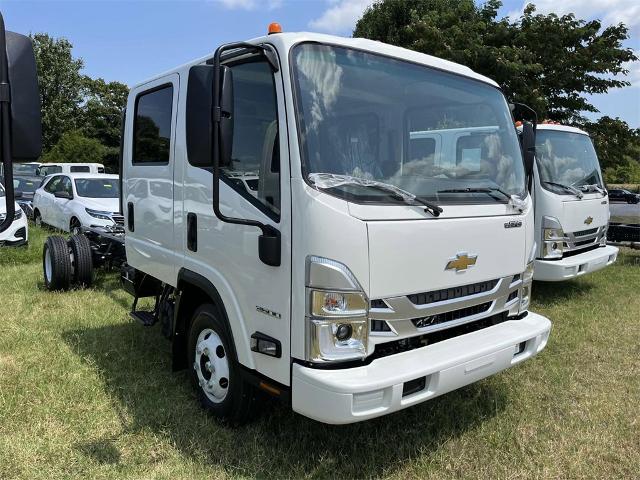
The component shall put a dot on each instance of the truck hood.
(578, 215)
(411, 256)
(104, 204)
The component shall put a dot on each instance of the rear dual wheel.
(67, 263)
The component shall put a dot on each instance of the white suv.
(18, 233)
(72, 201)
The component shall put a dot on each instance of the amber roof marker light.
(275, 27)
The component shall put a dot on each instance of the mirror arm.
(5, 130)
(269, 233)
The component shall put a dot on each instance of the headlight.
(603, 238)
(99, 214)
(552, 238)
(337, 313)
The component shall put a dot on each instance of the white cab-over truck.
(302, 234)
(571, 205)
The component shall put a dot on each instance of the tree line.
(548, 62)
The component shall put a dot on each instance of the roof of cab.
(560, 128)
(289, 39)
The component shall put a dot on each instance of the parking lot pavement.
(621, 212)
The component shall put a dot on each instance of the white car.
(18, 233)
(72, 201)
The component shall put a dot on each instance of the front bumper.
(355, 394)
(574, 266)
(17, 234)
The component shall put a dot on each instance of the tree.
(60, 84)
(73, 147)
(618, 148)
(545, 61)
(102, 115)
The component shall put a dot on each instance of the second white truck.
(571, 205)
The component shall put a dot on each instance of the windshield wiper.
(592, 188)
(513, 201)
(331, 180)
(567, 188)
(488, 190)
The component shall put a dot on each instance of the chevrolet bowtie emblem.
(588, 220)
(461, 261)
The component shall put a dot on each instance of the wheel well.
(72, 219)
(193, 292)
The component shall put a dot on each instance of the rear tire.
(215, 371)
(82, 260)
(56, 264)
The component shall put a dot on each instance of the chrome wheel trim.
(211, 365)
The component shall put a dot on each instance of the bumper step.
(147, 319)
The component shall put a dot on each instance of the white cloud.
(609, 11)
(341, 16)
(249, 4)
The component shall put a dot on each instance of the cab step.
(146, 318)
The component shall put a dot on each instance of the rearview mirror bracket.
(269, 242)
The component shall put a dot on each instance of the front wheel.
(215, 371)
(75, 227)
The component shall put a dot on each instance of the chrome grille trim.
(401, 312)
(583, 238)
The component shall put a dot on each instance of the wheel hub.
(212, 366)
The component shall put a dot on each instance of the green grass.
(86, 393)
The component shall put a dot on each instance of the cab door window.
(255, 168)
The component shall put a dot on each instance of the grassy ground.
(86, 393)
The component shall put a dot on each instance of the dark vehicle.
(622, 195)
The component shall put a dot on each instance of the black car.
(622, 195)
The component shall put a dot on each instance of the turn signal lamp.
(275, 27)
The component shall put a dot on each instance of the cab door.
(149, 157)
(255, 186)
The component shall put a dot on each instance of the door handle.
(192, 232)
(130, 219)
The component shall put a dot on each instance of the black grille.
(582, 233)
(451, 293)
(119, 219)
(515, 278)
(378, 304)
(449, 316)
(380, 326)
(405, 344)
(512, 295)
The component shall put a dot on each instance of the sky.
(130, 41)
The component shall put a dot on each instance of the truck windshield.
(566, 159)
(97, 188)
(442, 137)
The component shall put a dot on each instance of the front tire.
(215, 371)
(37, 218)
(56, 264)
(75, 228)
